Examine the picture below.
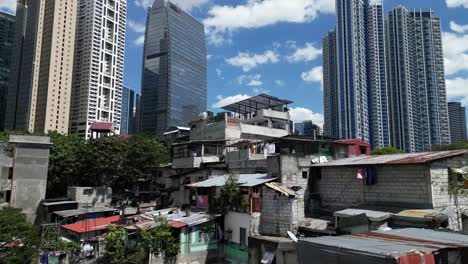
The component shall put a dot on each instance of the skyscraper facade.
(379, 120)
(174, 81)
(457, 117)
(353, 115)
(40, 90)
(330, 89)
(7, 33)
(416, 80)
(127, 123)
(98, 69)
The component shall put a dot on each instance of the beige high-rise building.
(39, 98)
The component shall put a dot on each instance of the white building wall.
(233, 221)
(98, 71)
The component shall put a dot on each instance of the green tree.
(454, 146)
(230, 198)
(161, 239)
(115, 245)
(386, 151)
(19, 239)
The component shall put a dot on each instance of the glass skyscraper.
(174, 81)
(7, 33)
(457, 117)
(127, 121)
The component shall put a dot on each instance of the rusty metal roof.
(396, 159)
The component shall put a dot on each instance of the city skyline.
(247, 39)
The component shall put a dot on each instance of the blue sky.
(274, 46)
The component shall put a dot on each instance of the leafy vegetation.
(386, 151)
(115, 245)
(455, 146)
(161, 240)
(230, 198)
(117, 162)
(19, 239)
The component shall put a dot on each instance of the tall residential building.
(457, 117)
(99, 62)
(353, 110)
(354, 74)
(307, 128)
(416, 81)
(379, 119)
(40, 90)
(127, 123)
(330, 89)
(7, 33)
(174, 81)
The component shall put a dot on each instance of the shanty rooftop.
(255, 103)
(393, 243)
(396, 159)
(244, 180)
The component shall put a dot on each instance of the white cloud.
(279, 83)
(8, 5)
(299, 114)
(219, 73)
(457, 3)
(307, 53)
(140, 40)
(144, 3)
(457, 90)
(223, 101)
(250, 80)
(455, 52)
(314, 75)
(458, 28)
(135, 26)
(248, 61)
(260, 90)
(209, 56)
(224, 19)
(186, 5)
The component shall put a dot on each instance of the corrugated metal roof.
(398, 242)
(244, 180)
(82, 211)
(411, 158)
(372, 215)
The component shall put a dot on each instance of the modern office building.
(353, 106)
(174, 81)
(307, 128)
(39, 94)
(98, 69)
(137, 114)
(330, 89)
(379, 120)
(457, 117)
(127, 123)
(7, 33)
(416, 81)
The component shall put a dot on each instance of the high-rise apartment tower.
(99, 62)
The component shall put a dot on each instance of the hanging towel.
(360, 173)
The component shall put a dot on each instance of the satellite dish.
(292, 236)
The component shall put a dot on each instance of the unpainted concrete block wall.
(397, 185)
(279, 213)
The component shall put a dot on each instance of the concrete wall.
(400, 185)
(30, 168)
(441, 197)
(279, 213)
(233, 221)
(91, 196)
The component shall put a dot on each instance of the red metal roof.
(102, 126)
(354, 141)
(177, 224)
(92, 225)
